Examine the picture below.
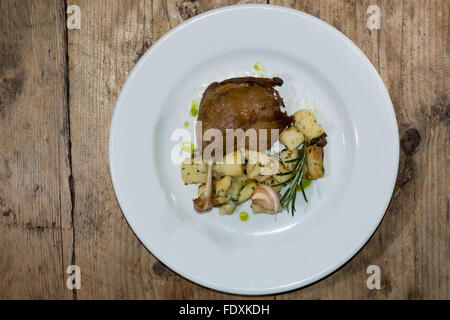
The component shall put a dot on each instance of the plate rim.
(339, 263)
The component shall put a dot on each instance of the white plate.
(266, 254)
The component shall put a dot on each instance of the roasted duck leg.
(243, 103)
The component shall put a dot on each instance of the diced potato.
(272, 183)
(243, 180)
(192, 172)
(232, 197)
(257, 208)
(306, 123)
(227, 208)
(260, 166)
(282, 178)
(291, 138)
(254, 171)
(260, 157)
(217, 201)
(246, 191)
(233, 191)
(286, 155)
(314, 159)
(222, 185)
(231, 165)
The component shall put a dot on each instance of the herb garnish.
(295, 182)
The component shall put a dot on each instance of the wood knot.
(11, 81)
(188, 9)
(5, 211)
(410, 141)
(440, 110)
(386, 286)
(159, 269)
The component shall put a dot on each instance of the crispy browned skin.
(320, 141)
(245, 103)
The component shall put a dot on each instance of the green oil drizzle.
(186, 124)
(243, 216)
(187, 147)
(194, 108)
(305, 183)
(259, 67)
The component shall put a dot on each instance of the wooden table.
(58, 88)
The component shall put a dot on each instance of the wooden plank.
(113, 35)
(35, 201)
(411, 246)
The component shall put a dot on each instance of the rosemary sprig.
(289, 196)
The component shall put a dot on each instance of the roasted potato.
(286, 155)
(233, 191)
(232, 196)
(192, 172)
(314, 160)
(218, 201)
(306, 123)
(254, 172)
(221, 186)
(272, 182)
(243, 180)
(282, 178)
(260, 166)
(291, 138)
(227, 208)
(246, 191)
(231, 165)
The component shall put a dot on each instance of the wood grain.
(55, 110)
(35, 221)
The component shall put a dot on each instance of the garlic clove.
(266, 197)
